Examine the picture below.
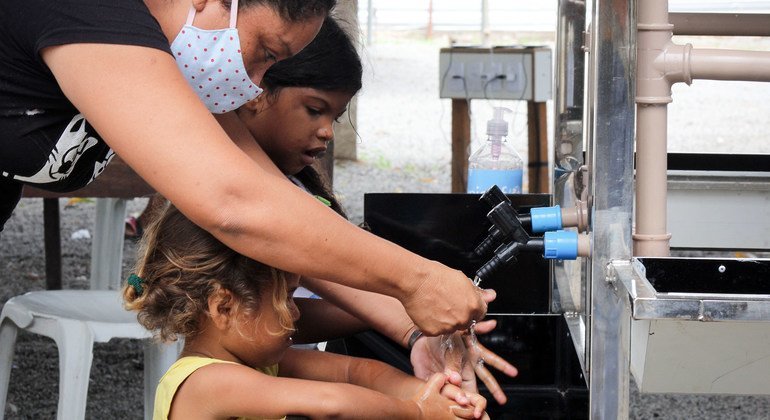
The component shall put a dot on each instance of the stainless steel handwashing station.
(677, 324)
(697, 322)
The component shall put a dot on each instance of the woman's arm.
(320, 320)
(137, 100)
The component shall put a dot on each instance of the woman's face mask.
(212, 64)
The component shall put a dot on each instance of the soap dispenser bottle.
(496, 162)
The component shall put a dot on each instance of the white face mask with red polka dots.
(212, 64)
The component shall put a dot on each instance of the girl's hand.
(480, 357)
(460, 360)
(472, 405)
(431, 403)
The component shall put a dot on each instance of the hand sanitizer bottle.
(496, 163)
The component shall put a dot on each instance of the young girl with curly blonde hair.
(237, 317)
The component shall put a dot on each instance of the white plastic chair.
(75, 319)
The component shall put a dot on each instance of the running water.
(467, 343)
(468, 340)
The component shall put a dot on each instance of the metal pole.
(610, 158)
(485, 23)
(369, 22)
(429, 32)
(568, 85)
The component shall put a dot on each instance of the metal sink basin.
(699, 325)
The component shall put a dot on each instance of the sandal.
(134, 228)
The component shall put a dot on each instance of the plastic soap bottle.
(496, 163)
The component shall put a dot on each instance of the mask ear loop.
(233, 13)
(190, 16)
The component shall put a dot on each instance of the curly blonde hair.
(181, 265)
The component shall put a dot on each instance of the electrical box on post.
(513, 73)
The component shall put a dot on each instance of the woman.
(84, 79)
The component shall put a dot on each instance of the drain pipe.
(653, 94)
(660, 64)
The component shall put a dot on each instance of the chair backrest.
(101, 310)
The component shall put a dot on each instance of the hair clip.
(136, 282)
(326, 202)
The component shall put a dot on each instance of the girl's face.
(295, 126)
(258, 345)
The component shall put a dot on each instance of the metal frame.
(604, 299)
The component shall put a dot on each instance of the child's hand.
(431, 403)
(472, 405)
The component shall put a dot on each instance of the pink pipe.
(660, 64)
(751, 66)
(653, 93)
(650, 235)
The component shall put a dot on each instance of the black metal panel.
(719, 162)
(550, 383)
(447, 227)
(707, 275)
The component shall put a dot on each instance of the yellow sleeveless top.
(177, 374)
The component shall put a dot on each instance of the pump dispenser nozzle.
(497, 128)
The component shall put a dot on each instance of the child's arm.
(232, 390)
(372, 374)
(389, 318)
(330, 367)
(321, 320)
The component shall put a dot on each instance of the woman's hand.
(461, 360)
(445, 300)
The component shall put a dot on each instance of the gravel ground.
(404, 147)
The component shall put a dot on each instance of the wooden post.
(537, 166)
(461, 143)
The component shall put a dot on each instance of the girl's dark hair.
(181, 265)
(330, 62)
(292, 10)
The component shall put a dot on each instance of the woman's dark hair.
(330, 62)
(292, 10)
